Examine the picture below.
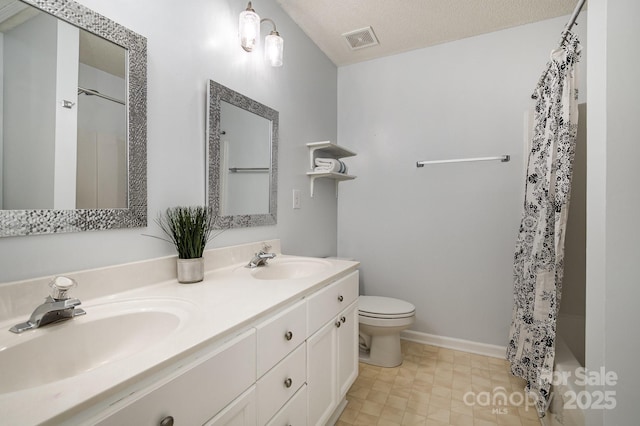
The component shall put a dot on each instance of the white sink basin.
(290, 269)
(107, 333)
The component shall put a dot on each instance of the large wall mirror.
(242, 163)
(73, 126)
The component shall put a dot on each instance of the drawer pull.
(343, 319)
(340, 298)
(288, 335)
(338, 324)
(288, 382)
(167, 421)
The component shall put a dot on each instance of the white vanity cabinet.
(290, 367)
(194, 393)
(332, 357)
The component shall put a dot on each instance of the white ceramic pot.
(190, 270)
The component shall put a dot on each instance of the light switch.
(296, 198)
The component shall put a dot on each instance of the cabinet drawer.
(241, 412)
(280, 383)
(200, 392)
(294, 413)
(280, 335)
(329, 301)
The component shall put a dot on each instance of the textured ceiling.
(402, 25)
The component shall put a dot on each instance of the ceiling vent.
(361, 38)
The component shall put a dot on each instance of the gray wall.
(189, 43)
(613, 202)
(442, 236)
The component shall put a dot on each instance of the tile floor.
(429, 388)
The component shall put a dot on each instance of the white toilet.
(381, 321)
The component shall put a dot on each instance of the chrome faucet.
(261, 257)
(56, 307)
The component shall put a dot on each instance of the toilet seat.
(384, 308)
(379, 316)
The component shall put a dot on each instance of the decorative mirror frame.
(33, 222)
(217, 93)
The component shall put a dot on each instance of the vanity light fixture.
(249, 31)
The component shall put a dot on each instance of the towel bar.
(502, 158)
(248, 169)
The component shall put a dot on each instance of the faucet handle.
(60, 286)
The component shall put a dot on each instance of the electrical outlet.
(296, 198)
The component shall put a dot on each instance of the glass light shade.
(249, 29)
(274, 49)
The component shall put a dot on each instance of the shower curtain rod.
(91, 92)
(565, 34)
(572, 20)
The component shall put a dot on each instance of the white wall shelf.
(328, 150)
(329, 175)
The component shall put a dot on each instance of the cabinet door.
(322, 364)
(241, 412)
(347, 349)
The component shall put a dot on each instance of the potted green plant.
(189, 229)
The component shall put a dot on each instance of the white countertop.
(227, 302)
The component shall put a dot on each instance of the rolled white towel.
(330, 165)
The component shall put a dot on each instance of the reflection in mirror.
(101, 177)
(77, 157)
(242, 159)
(245, 155)
(73, 120)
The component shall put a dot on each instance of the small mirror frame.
(217, 93)
(33, 222)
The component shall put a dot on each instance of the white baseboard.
(494, 351)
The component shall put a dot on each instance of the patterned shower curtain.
(539, 254)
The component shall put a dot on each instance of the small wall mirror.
(72, 120)
(242, 137)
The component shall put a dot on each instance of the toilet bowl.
(381, 320)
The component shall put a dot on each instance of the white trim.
(494, 351)
(338, 412)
